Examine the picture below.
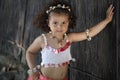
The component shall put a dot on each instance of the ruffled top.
(52, 57)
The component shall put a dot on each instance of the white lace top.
(52, 57)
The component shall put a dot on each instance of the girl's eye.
(54, 22)
(64, 23)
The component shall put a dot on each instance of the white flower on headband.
(63, 6)
(58, 6)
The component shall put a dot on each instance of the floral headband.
(58, 6)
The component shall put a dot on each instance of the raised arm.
(95, 29)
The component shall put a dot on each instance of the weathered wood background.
(98, 59)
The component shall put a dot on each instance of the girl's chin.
(60, 33)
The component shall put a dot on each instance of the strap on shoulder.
(45, 39)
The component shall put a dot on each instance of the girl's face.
(58, 23)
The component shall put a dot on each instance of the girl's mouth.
(59, 31)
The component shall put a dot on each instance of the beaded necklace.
(60, 42)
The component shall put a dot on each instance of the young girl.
(55, 44)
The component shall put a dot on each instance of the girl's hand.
(35, 75)
(109, 13)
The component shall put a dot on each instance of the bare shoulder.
(36, 45)
(39, 41)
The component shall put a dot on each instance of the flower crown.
(58, 6)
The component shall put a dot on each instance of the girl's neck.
(58, 37)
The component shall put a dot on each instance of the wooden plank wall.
(95, 60)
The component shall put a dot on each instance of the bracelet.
(33, 70)
(87, 35)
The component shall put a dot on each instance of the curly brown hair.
(41, 18)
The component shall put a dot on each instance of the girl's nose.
(59, 26)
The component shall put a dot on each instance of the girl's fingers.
(110, 8)
(109, 13)
(36, 77)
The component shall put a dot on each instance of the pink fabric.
(41, 77)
